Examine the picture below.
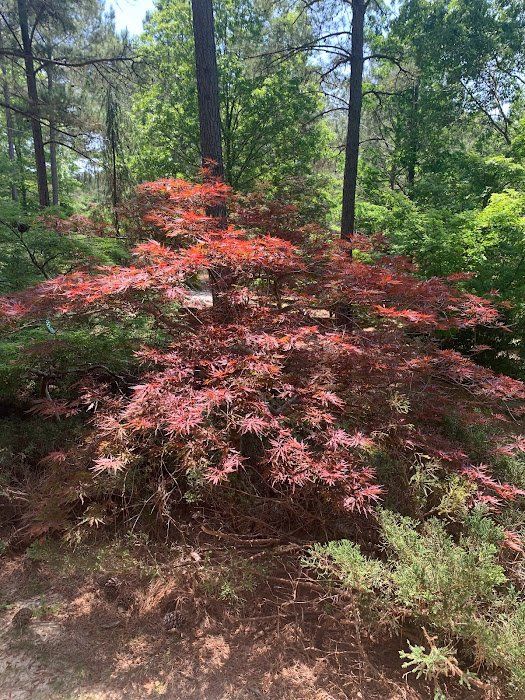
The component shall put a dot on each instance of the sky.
(130, 13)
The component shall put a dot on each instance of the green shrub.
(435, 664)
(435, 578)
(456, 588)
(344, 559)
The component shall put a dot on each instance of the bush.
(37, 246)
(307, 365)
(457, 590)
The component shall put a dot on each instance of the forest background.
(379, 324)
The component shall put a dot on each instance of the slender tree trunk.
(21, 170)
(53, 165)
(34, 109)
(413, 139)
(10, 133)
(52, 133)
(114, 185)
(392, 176)
(9, 127)
(112, 141)
(354, 119)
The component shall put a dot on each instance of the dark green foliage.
(34, 248)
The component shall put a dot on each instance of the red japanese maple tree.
(267, 383)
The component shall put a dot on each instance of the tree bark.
(21, 170)
(9, 128)
(52, 133)
(10, 134)
(207, 76)
(114, 186)
(354, 119)
(207, 87)
(34, 109)
(112, 145)
(413, 146)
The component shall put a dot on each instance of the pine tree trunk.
(10, 134)
(210, 127)
(112, 146)
(52, 134)
(53, 164)
(354, 119)
(413, 139)
(114, 185)
(9, 129)
(21, 170)
(34, 109)
(207, 87)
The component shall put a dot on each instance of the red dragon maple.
(271, 386)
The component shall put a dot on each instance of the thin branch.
(386, 57)
(44, 122)
(503, 131)
(63, 63)
(19, 235)
(71, 148)
(320, 115)
(11, 30)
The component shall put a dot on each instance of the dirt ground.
(245, 629)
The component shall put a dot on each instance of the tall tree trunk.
(354, 119)
(207, 76)
(112, 144)
(9, 127)
(114, 186)
(52, 132)
(413, 145)
(21, 170)
(207, 87)
(10, 133)
(34, 109)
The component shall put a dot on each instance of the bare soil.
(250, 628)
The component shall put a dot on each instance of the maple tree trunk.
(354, 119)
(34, 110)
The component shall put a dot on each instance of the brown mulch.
(253, 627)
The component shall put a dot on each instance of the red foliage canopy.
(271, 384)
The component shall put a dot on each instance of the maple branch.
(41, 267)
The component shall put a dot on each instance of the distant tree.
(464, 66)
(27, 35)
(355, 101)
(65, 52)
(271, 130)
